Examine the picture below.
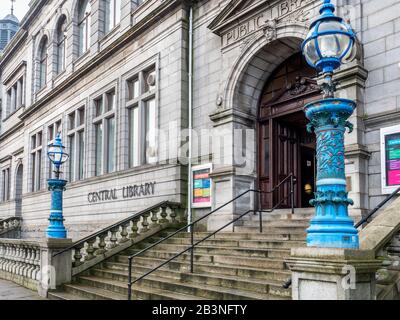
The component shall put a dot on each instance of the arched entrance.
(284, 145)
(18, 190)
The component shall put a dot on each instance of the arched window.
(61, 39)
(43, 62)
(112, 14)
(84, 22)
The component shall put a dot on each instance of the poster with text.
(392, 150)
(201, 187)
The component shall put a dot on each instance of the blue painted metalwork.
(57, 156)
(331, 225)
(327, 27)
(56, 227)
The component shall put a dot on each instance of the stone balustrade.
(113, 239)
(20, 261)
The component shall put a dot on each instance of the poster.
(201, 197)
(392, 150)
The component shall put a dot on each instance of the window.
(76, 143)
(15, 96)
(141, 104)
(84, 21)
(61, 39)
(104, 127)
(43, 63)
(5, 193)
(52, 131)
(36, 161)
(112, 14)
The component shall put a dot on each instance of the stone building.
(120, 78)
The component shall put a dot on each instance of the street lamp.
(57, 157)
(328, 44)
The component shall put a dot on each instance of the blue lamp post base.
(331, 225)
(56, 227)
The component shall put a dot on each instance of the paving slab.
(12, 291)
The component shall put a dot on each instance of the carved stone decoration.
(270, 29)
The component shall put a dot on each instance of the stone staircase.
(244, 264)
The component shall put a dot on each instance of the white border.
(202, 204)
(384, 132)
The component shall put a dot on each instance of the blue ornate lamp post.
(329, 42)
(57, 156)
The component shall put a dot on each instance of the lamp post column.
(56, 227)
(331, 225)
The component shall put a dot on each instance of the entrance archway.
(284, 145)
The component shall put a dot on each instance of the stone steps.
(189, 289)
(233, 282)
(174, 266)
(240, 265)
(222, 250)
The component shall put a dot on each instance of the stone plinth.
(54, 270)
(333, 274)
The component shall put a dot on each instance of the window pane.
(133, 89)
(82, 38)
(134, 137)
(81, 115)
(151, 147)
(110, 100)
(110, 144)
(80, 154)
(39, 172)
(99, 106)
(50, 131)
(71, 121)
(99, 148)
(117, 11)
(39, 139)
(33, 159)
(33, 142)
(71, 149)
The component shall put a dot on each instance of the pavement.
(12, 291)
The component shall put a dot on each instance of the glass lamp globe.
(56, 152)
(329, 42)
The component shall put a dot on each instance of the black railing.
(289, 179)
(364, 220)
(380, 205)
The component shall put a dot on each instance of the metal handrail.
(380, 205)
(117, 224)
(288, 283)
(191, 227)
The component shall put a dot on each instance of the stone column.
(54, 270)
(333, 274)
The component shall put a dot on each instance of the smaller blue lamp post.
(328, 44)
(57, 156)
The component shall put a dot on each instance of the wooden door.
(281, 125)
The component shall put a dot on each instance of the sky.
(20, 8)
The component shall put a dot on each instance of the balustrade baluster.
(124, 233)
(102, 244)
(113, 238)
(90, 249)
(164, 214)
(145, 223)
(154, 218)
(173, 213)
(77, 256)
(134, 228)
